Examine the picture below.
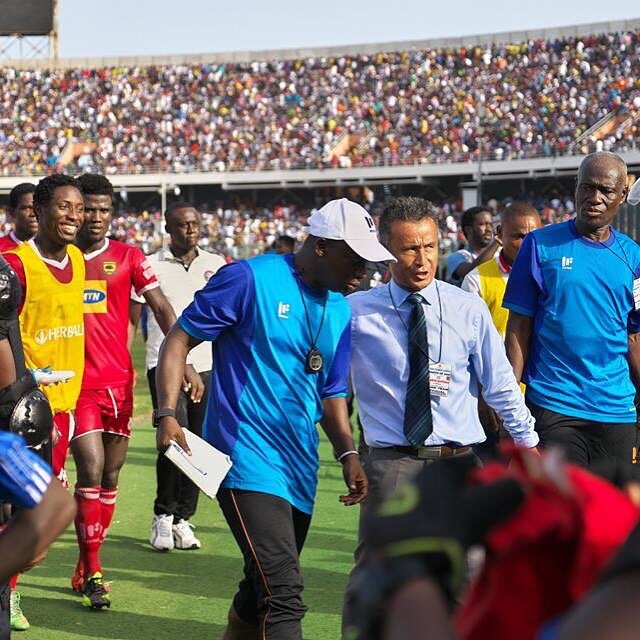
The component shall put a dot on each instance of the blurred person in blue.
(280, 328)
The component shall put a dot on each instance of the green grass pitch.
(183, 594)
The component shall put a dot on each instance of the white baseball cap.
(345, 220)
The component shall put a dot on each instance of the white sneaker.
(161, 538)
(183, 537)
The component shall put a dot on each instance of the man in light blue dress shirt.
(464, 349)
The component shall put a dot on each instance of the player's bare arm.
(135, 312)
(163, 312)
(169, 375)
(335, 423)
(161, 308)
(25, 539)
(517, 342)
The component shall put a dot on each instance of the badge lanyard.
(635, 282)
(313, 361)
(625, 260)
(407, 328)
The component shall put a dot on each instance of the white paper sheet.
(206, 466)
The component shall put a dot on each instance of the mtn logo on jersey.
(95, 296)
(109, 267)
(42, 336)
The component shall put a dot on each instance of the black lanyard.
(625, 260)
(313, 360)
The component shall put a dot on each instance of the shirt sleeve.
(16, 264)
(525, 283)
(24, 477)
(337, 383)
(223, 302)
(136, 298)
(143, 278)
(471, 283)
(499, 387)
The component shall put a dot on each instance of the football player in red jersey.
(25, 223)
(105, 406)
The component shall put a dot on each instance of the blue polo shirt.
(580, 295)
(263, 407)
(24, 477)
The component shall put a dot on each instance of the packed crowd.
(431, 105)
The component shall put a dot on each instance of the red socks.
(89, 527)
(95, 513)
(107, 507)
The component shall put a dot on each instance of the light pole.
(480, 135)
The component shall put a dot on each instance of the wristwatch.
(162, 413)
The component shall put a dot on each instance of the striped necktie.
(418, 420)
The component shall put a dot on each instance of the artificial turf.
(182, 594)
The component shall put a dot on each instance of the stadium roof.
(504, 37)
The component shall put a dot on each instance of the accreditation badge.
(439, 379)
(636, 294)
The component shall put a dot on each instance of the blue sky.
(143, 27)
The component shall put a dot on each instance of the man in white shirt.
(420, 349)
(181, 270)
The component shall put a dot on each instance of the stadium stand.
(520, 100)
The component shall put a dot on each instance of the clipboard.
(206, 467)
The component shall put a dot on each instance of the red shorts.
(108, 410)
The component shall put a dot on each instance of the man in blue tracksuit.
(280, 328)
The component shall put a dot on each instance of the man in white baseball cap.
(283, 318)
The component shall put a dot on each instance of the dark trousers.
(270, 533)
(176, 495)
(586, 442)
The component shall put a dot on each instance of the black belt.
(430, 453)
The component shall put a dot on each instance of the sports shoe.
(19, 621)
(183, 537)
(94, 593)
(161, 533)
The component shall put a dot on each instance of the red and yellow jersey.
(111, 273)
(9, 243)
(51, 318)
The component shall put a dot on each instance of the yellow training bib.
(52, 323)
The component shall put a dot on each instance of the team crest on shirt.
(109, 267)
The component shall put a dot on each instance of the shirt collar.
(167, 256)
(400, 295)
(505, 267)
(97, 252)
